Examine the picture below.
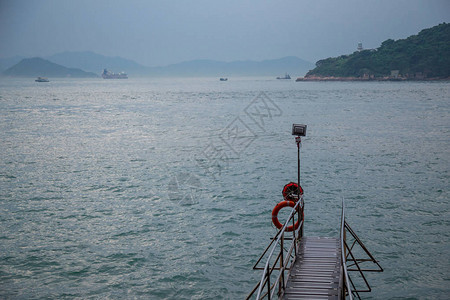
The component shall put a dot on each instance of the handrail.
(348, 256)
(344, 256)
(281, 278)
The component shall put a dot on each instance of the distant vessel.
(223, 79)
(286, 76)
(42, 79)
(110, 75)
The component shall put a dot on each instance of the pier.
(297, 267)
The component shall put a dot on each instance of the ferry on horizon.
(286, 76)
(42, 79)
(110, 75)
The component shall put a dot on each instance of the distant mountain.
(421, 56)
(6, 63)
(274, 67)
(34, 67)
(93, 62)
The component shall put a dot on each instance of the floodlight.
(299, 129)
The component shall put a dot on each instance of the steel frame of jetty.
(298, 267)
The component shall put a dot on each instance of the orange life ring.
(289, 190)
(275, 211)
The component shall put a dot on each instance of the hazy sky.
(157, 33)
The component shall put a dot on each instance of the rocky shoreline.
(331, 78)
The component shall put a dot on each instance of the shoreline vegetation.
(421, 57)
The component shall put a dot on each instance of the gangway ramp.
(298, 267)
(316, 272)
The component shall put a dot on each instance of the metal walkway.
(316, 272)
(298, 267)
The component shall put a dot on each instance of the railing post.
(345, 240)
(281, 283)
(294, 239)
(302, 214)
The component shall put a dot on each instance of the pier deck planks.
(316, 273)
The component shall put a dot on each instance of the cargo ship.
(286, 76)
(110, 75)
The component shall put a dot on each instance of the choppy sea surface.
(163, 188)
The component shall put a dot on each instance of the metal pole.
(298, 139)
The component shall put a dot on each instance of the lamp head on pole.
(299, 129)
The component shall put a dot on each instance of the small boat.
(223, 79)
(111, 75)
(286, 76)
(42, 79)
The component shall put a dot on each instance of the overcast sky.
(156, 33)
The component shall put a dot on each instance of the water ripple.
(111, 191)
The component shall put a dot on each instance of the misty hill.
(426, 54)
(34, 67)
(6, 63)
(94, 62)
(274, 67)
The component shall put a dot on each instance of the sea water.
(163, 188)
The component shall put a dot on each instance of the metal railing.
(284, 259)
(346, 289)
(349, 261)
(280, 259)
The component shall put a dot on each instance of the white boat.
(42, 79)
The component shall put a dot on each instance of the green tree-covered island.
(425, 56)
